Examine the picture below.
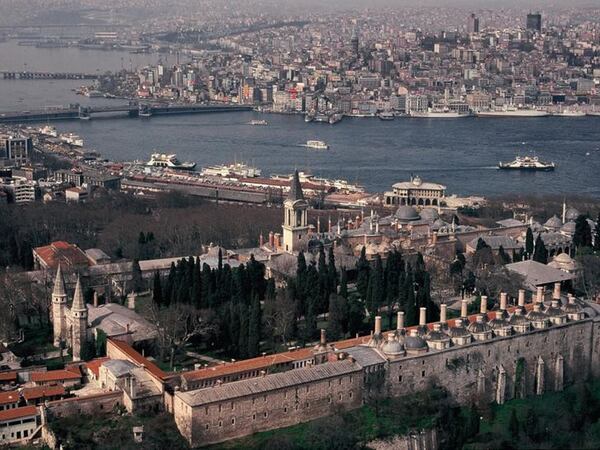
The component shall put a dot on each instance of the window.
(233, 421)
(350, 394)
(254, 416)
(340, 397)
(489, 353)
(329, 399)
(307, 389)
(265, 398)
(265, 414)
(206, 410)
(307, 404)
(219, 408)
(351, 379)
(423, 373)
(207, 426)
(285, 409)
(399, 378)
(220, 423)
(231, 405)
(340, 381)
(423, 362)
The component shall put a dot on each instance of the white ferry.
(528, 163)
(258, 122)
(386, 115)
(339, 185)
(569, 113)
(169, 162)
(231, 170)
(72, 139)
(439, 114)
(319, 145)
(513, 112)
(49, 131)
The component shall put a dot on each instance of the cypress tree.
(243, 333)
(197, 285)
(540, 253)
(410, 307)
(137, 283)
(503, 256)
(332, 271)
(363, 269)
(513, 424)
(529, 242)
(300, 293)
(481, 244)
(344, 283)
(324, 283)
(583, 233)
(157, 294)
(338, 317)
(597, 234)
(356, 316)
(254, 328)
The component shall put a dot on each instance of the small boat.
(49, 130)
(72, 139)
(319, 145)
(169, 162)
(258, 122)
(569, 113)
(386, 115)
(527, 163)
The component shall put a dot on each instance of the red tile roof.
(94, 365)
(33, 393)
(17, 413)
(68, 255)
(138, 359)
(9, 397)
(54, 375)
(8, 376)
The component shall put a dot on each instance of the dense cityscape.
(413, 263)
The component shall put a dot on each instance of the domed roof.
(429, 214)
(407, 213)
(479, 326)
(563, 258)
(537, 314)
(498, 322)
(458, 330)
(571, 214)
(438, 224)
(568, 227)
(554, 310)
(392, 346)
(553, 222)
(518, 318)
(572, 308)
(437, 336)
(414, 342)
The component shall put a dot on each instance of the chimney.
(329, 225)
(443, 307)
(540, 294)
(464, 308)
(271, 239)
(323, 337)
(499, 315)
(437, 326)
(377, 227)
(318, 225)
(277, 240)
(503, 300)
(521, 297)
(422, 316)
(127, 328)
(95, 299)
(556, 293)
(483, 309)
(261, 240)
(400, 320)
(377, 324)
(434, 238)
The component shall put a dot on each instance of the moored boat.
(169, 162)
(528, 163)
(319, 145)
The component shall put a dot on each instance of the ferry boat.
(258, 122)
(439, 114)
(49, 130)
(319, 145)
(529, 163)
(338, 185)
(231, 170)
(569, 113)
(169, 162)
(335, 118)
(513, 112)
(72, 139)
(386, 115)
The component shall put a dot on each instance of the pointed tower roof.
(78, 303)
(59, 284)
(296, 188)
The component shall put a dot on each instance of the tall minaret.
(79, 316)
(59, 306)
(295, 221)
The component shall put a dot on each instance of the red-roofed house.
(69, 256)
(65, 377)
(93, 368)
(19, 424)
(9, 400)
(39, 394)
(8, 378)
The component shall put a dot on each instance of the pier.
(27, 75)
(131, 110)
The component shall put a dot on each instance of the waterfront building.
(416, 192)
(89, 177)
(14, 150)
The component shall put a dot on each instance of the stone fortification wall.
(89, 405)
(501, 368)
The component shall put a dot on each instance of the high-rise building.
(534, 22)
(354, 43)
(472, 24)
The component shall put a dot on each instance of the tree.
(531, 425)
(356, 316)
(503, 256)
(363, 269)
(137, 282)
(513, 424)
(597, 234)
(338, 317)
(583, 233)
(344, 283)
(254, 325)
(481, 244)
(540, 253)
(529, 242)
(157, 294)
(279, 316)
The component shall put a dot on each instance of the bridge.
(76, 112)
(27, 75)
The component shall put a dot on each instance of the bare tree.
(279, 316)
